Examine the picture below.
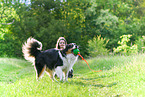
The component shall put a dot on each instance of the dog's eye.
(69, 45)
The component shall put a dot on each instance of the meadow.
(120, 76)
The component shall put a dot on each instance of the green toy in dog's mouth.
(76, 51)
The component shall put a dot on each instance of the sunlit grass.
(120, 76)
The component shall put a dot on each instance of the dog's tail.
(31, 49)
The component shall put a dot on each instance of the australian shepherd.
(50, 61)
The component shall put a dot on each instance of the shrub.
(97, 46)
(124, 48)
(140, 42)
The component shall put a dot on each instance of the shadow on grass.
(93, 81)
(84, 83)
(109, 85)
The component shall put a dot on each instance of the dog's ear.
(67, 45)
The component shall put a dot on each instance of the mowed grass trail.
(120, 76)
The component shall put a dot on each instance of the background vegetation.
(77, 20)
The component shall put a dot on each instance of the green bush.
(10, 46)
(97, 46)
(140, 42)
(124, 48)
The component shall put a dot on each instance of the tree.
(7, 17)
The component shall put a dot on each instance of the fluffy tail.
(31, 49)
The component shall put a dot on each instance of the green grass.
(120, 76)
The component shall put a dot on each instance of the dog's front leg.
(66, 75)
(59, 72)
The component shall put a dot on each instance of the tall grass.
(120, 76)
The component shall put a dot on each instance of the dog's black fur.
(50, 58)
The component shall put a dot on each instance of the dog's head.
(70, 47)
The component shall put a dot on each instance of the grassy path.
(120, 76)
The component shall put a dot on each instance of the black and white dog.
(50, 61)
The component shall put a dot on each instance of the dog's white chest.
(69, 60)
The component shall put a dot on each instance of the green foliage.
(140, 42)
(108, 26)
(113, 19)
(7, 15)
(77, 20)
(8, 45)
(106, 19)
(97, 46)
(124, 48)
